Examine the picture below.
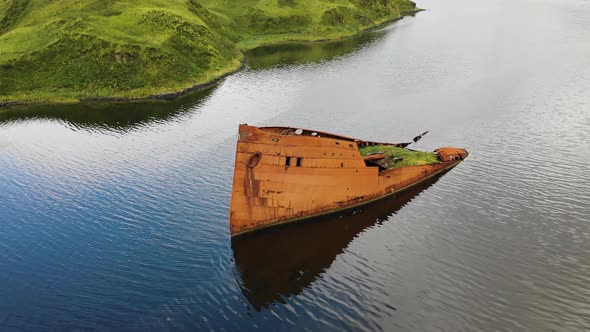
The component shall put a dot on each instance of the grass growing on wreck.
(410, 158)
(66, 50)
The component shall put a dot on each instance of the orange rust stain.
(450, 154)
(377, 156)
(308, 173)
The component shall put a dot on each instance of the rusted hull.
(280, 178)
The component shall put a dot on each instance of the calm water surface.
(115, 217)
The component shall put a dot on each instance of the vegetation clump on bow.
(403, 156)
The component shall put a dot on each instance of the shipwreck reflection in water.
(276, 263)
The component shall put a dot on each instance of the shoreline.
(164, 96)
(177, 94)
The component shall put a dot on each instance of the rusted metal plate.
(451, 154)
(376, 156)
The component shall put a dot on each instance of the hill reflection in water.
(310, 52)
(279, 262)
(107, 116)
(126, 115)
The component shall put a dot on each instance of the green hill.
(66, 50)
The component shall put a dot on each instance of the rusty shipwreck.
(285, 174)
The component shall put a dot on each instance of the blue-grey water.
(115, 217)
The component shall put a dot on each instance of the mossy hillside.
(66, 50)
(259, 22)
(10, 13)
(71, 49)
(410, 158)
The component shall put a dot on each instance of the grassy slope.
(262, 22)
(65, 50)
